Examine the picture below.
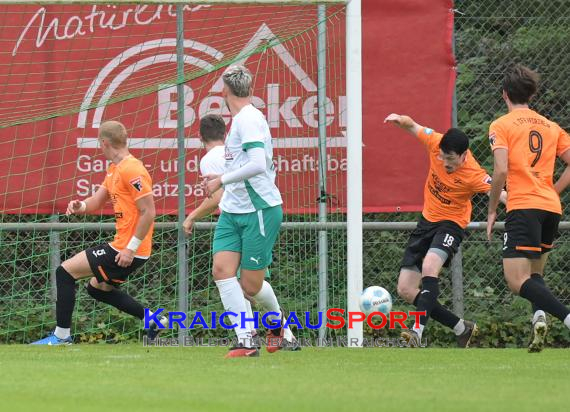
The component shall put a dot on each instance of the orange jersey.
(126, 183)
(447, 196)
(533, 142)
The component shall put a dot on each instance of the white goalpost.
(354, 159)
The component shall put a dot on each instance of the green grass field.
(106, 378)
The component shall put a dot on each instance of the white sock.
(267, 299)
(419, 330)
(62, 333)
(459, 328)
(162, 318)
(288, 335)
(249, 313)
(537, 314)
(234, 301)
(567, 321)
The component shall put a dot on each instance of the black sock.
(415, 303)
(441, 314)
(428, 297)
(539, 279)
(65, 297)
(540, 295)
(119, 299)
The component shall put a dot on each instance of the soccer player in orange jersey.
(454, 177)
(525, 146)
(129, 188)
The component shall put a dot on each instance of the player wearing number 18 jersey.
(454, 177)
(525, 146)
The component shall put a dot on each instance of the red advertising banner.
(67, 68)
(408, 68)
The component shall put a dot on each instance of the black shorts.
(529, 233)
(444, 235)
(101, 258)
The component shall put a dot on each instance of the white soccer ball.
(375, 299)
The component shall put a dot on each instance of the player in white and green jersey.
(212, 136)
(251, 213)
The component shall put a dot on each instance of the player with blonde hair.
(128, 186)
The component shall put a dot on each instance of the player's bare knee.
(401, 291)
(405, 291)
(94, 283)
(220, 272)
(406, 294)
(431, 265)
(515, 281)
(251, 287)
(63, 276)
(514, 285)
(430, 268)
(251, 290)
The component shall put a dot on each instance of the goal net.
(66, 67)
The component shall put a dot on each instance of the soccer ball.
(375, 299)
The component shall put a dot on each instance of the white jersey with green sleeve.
(249, 130)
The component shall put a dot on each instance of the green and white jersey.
(249, 130)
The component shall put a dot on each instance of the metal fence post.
(323, 240)
(456, 268)
(182, 253)
(54, 257)
(457, 261)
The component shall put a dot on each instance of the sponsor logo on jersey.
(227, 154)
(137, 183)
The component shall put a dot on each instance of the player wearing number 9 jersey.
(525, 146)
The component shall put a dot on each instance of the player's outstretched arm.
(207, 207)
(91, 204)
(147, 213)
(564, 180)
(404, 122)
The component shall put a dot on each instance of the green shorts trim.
(250, 234)
(267, 273)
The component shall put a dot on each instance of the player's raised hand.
(403, 121)
(75, 206)
(187, 225)
(393, 118)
